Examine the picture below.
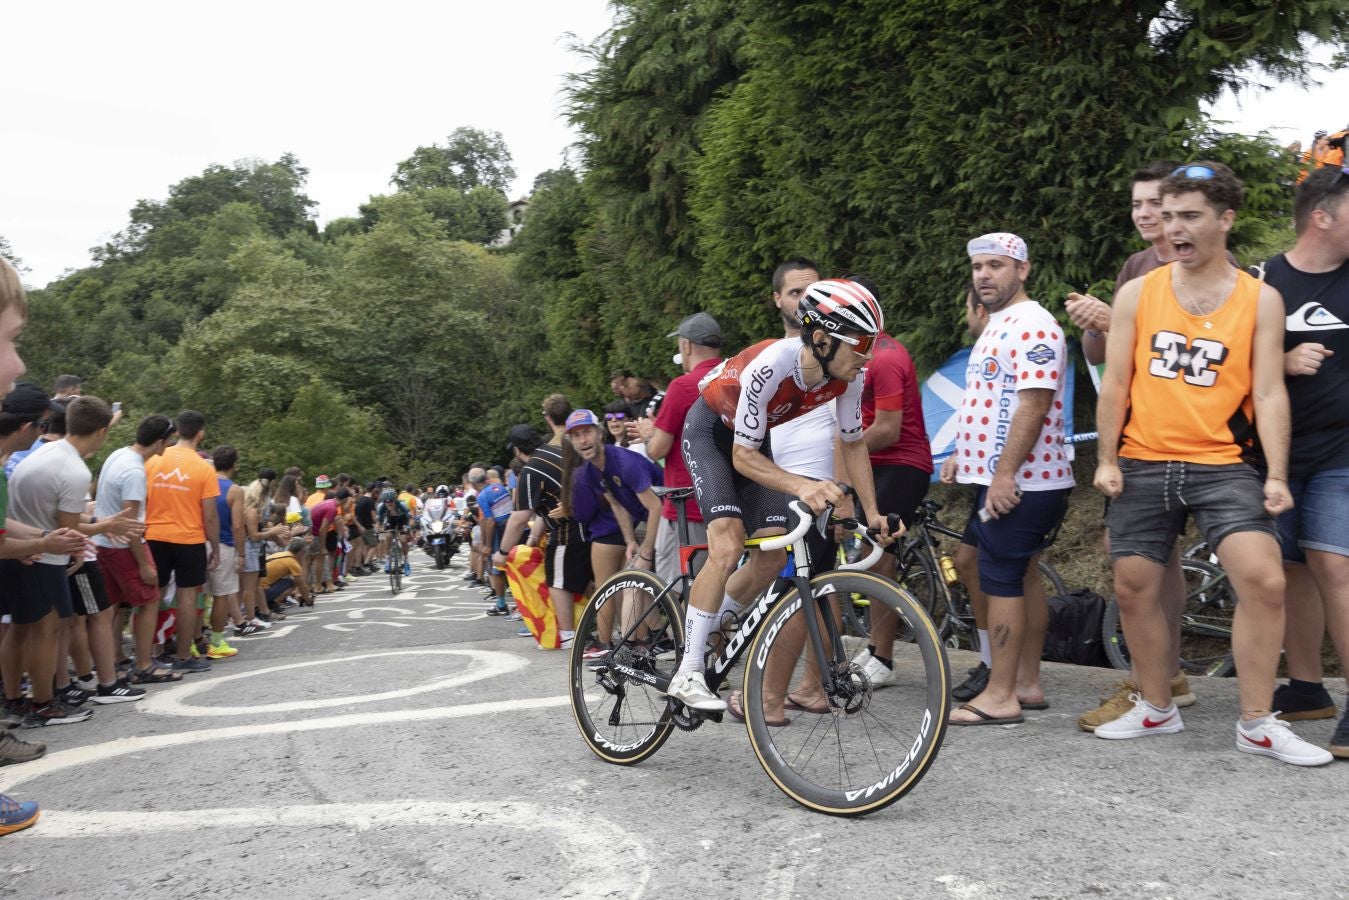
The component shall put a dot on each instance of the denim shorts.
(1319, 519)
(1149, 515)
(1008, 543)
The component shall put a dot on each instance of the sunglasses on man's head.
(1194, 173)
(861, 344)
(1333, 187)
(612, 416)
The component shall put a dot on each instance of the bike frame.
(717, 672)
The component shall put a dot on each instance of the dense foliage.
(718, 138)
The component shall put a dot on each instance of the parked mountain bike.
(927, 571)
(861, 752)
(1205, 625)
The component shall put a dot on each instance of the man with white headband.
(1010, 446)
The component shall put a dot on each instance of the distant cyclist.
(726, 448)
(395, 516)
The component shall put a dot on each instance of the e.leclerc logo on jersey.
(989, 369)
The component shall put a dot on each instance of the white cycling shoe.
(692, 691)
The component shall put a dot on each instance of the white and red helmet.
(840, 306)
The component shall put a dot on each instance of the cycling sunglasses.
(861, 344)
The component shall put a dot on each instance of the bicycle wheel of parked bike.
(919, 576)
(867, 746)
(1205, 627)
(622, 715)
(1053, 584)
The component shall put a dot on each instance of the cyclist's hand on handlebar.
(885, 528)
(819, 494)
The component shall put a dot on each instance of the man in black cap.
(539, 496)
(699, 352)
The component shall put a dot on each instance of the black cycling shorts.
(899, 489)
(722, 491)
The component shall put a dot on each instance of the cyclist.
(727, 451)
(394, 515)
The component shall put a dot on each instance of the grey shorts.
(1149, 515)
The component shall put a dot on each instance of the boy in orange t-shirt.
(180, 519)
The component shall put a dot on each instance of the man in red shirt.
(699, 352)
(901, 466)
(323, 518)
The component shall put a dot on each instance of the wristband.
(1094, 332)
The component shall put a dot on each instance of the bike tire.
(918, 575)
(875, 746)
(1053, 584)
(395, 567)
(1112, 636)
(622, 718)
(1205, 631)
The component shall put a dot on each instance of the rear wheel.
(618, 700)
(1205, 627)
(871, 744)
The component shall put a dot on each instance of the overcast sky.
(110, 103)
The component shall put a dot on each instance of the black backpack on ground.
(1074, 633)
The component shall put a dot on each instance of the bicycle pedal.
(714, 717)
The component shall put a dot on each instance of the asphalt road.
(410, 746)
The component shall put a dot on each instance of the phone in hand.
(117, 406)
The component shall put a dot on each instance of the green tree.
(470, 158)
(7, 253)
(321, 429)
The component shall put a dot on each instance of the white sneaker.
(1275, 737)
(261, 624)
(877, 673)
(1141, 721)
(692, 691)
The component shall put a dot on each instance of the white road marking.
(11, 776)
(482, 664)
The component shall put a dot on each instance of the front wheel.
(618, 699)
(870, 743)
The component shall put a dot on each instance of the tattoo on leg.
(1000, 635)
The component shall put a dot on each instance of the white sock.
(698, 626)
(728, 604)
(1161, 709)
(1252, 724)
(567, 635)
(985, 650)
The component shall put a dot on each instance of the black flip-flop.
(986, 719)
(733, 707)
(1034, 704)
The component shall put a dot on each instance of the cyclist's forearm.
(859, 470)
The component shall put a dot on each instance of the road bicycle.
(863, 751)
(1205, 624)
(928, 572)
(395, 562)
